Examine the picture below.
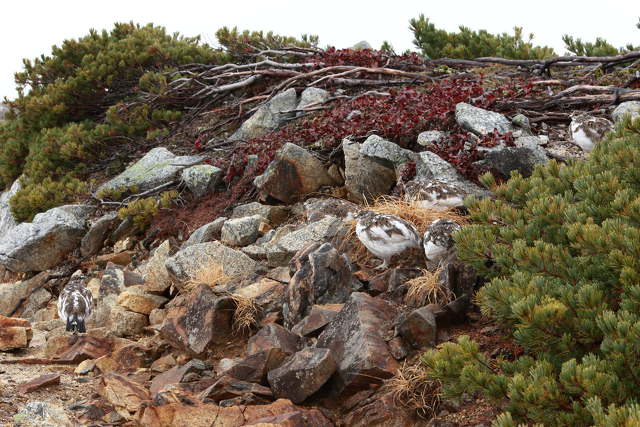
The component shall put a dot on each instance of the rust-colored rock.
(120, 258)
(227, 387)
(135, 299)
(322, 276)
(134, 356)
(302, 374)
(83, 347)
(274, 336)
(392, 282)
(419, 328)
(40, 382)
(175, 375)
(356, 340)
(124, 395)
(202, 320)
(106, 364)
(254, 368)
(14, 333)
(319, 316)
(381, 411)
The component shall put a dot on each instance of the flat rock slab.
(159, 166)
(481, 122)
(40, 382)
(274, 336)
(14, 333)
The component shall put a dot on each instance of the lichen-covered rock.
(321, 275)
(155, 274)
(199, 321)
(274, 215)
(362, 45)
(312, 95)
(315, 209)
(481, 122)
(379, 148)
(98, 232)
(157, 167)
(356, 338)
(504, 160)
(268, 117)
(125, 323)
(267, 294)
(7, 220)
(365, 177)
(319, 316)
(241, 231)
(430, 137)
(188, 262)
(136, 299)
(630, 108)
(281, 249)
(45, 242)
(12, 294)
(206, 233)
(201, 179)
(41, 414)
(302, 374)
(293, 173)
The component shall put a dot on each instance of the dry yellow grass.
(212, 275)
(246, 315)
(413, 389)
(409, 211)
(427, 289)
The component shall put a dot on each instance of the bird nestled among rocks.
(587, 130)
(438, 242)
(436, 194)
(385, 235)
(75, 304)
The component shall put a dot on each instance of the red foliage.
(364, 58)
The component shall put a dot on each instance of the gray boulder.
(366, 177)
(13, 294)
(274, 215)
(481, 122)
(7, 221)
(631, 108)
(3, 112)
(315, 209)
(312, 95)
(159, 166)
(429, 137)
(381, 149)
(187, 263)
(241, 231)
(293, 173)
(201, 179)
(206, 233)
(268, 117)
(522, 159)
(362, 45)
(98, 232)
(45, 242)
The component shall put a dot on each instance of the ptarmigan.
(386, 235)
(75, 304)
(437, 195)
(587, 130)
(438, 241)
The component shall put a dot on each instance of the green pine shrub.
(466, 43)
(142, 211)
(575, 46)
(240, 44)
(562, 252)
(72, 109)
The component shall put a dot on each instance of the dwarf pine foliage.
(562, 252)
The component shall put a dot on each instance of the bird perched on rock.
(438, 241)
(435, 194)
(75, 304)
(587, 130)
(386, 235)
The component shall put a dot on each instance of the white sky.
(30, 28)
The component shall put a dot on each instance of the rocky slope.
(271, 314)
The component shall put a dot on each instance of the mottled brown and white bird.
(386, 235)
(438, 241)
(587, 130)
(75, 304)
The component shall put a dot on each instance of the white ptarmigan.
(75, 304)
(386, 235)
(435, 194)
(587, 130)
(438, 241)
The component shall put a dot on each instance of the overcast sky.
(30, 28)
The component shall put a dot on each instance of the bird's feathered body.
(438, 241)
(435, 194)
(75, 306)
(587, 130)
(386, 235)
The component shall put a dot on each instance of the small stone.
(40, 382)
(420, 328)
(134, 298)
(201, 179)
(85, 367)
(241, 231)
(274, 336)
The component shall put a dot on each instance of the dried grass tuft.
(246, 316)
(212, 275)
(413, 389)
(427, 289)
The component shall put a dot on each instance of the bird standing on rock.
(75, 304)
(386, 235)
(438, 241)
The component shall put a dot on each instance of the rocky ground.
(272, 313)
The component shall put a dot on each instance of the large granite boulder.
(320, 275)
(241, 231)
(274, 215)
(293, 173)
(630, 108)
(45, 242)
(312, 96)
(159, 166)
(356, 338)
(206, 233)
(7, 220)
(187, 263)
(13, 294)
(268, 117)
(98, 232)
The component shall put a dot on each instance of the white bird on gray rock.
(75, 304)
(438, 241)
(587, 130)
(386, 235)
